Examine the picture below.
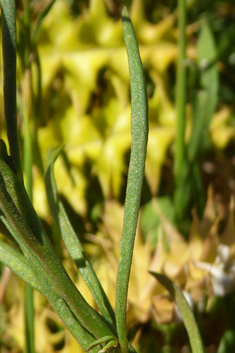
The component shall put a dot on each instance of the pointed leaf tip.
(125, 12)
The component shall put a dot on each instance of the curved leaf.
(73, 244)
(139, 137)
(185, 311)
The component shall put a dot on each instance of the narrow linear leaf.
(139, 133)
(46, 260)
(25, 224)
(24, 246)
(45, 257)
(60, 305)
(207, 54)
(31, 273)
(73, 244)
(185, 311)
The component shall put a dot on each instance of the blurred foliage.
(85, 104)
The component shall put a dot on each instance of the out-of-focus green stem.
(29, 318)
(27, 87)
(180, 152)
(27, 93)
(182, 190)
(29, 292)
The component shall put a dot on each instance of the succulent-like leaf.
(139, 138)
(19, 264)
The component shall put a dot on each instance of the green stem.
(181, 92)
(139, 131)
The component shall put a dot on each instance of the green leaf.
(33, 273)
(46, 263)
(139, 137)
(185, 311)
(203, 107)
(207, 53)
(188, 190)
(73, 244)
(42, 15)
